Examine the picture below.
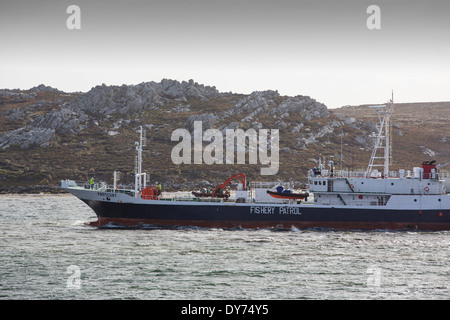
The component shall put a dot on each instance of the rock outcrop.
(305, 106)
(128, 102)
(27, 136)
(133, 99)
(63, 120)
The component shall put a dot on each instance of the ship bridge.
(400, 182)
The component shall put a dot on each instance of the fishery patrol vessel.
(376, 198)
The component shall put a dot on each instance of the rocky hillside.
(47, 135)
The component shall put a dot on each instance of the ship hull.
(224, 215)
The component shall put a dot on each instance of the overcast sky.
(322, 49)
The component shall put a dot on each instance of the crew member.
(92, 182)
(159, 189)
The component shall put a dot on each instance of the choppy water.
(47, 251)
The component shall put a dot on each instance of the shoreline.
(32, 190)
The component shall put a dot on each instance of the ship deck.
(177, 196)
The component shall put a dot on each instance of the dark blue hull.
(265, 216)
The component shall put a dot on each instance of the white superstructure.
(422, 187)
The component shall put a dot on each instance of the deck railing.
(363, 174)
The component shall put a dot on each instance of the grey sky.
(318, 48)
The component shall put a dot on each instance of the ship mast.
(382, 142)
(139, 176)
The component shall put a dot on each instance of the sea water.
(48, 250)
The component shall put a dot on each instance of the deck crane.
(221, 191)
